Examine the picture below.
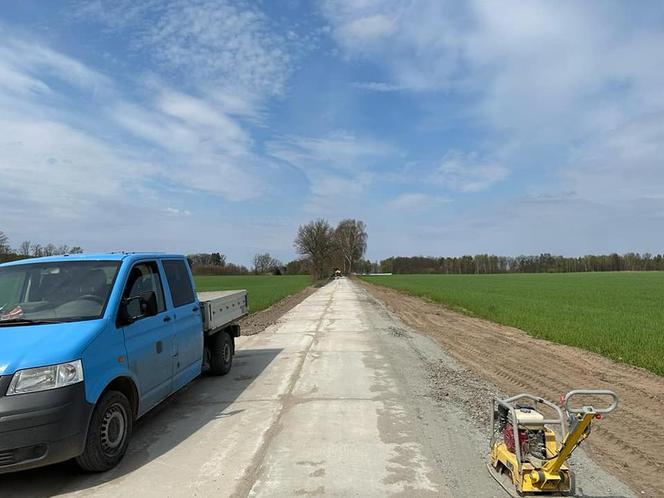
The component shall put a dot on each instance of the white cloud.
(622, 165)
(206, 150)
(367, 29)
(377, 86)
(212, 43)
(416, 202)
(340, 150)
(66, 171)
(28, 70)
(568, 90)
(417, 41)
(51, 160)
(468, 172)
(27, 63)
(338, 166)
(177, 212)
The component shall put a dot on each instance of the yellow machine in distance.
(528, 451)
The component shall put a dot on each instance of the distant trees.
(4, 243)
(213, 259)
(298, 266)
(24, 248)
(27, 249)
(326, 248)
(265, 263)
(214, 263)
(543, 263)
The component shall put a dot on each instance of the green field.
(619, 315)
(264, 290)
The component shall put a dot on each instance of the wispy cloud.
(213, 44)
(368, 29)
(338, 166)
(26, 67)
(468, 172)
(377, 86)
(550, 84)
(416, 202)
(60, 159)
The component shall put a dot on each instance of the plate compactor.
(532, 439)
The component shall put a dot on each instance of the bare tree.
(24, 248)
(351, 238)
(4, 243)
(37, 250)
(76, 250)
(49, 250)
(316, 240)
(264, 263)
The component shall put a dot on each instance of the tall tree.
(316, 240)
(4, 243)
(351, 238)
(25, 248)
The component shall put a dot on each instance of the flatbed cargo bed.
(222, 308)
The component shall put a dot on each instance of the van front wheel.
(108, 434)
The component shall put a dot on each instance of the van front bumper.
(42, 428)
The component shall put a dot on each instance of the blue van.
(89, 343)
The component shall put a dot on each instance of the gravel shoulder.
(627, 443)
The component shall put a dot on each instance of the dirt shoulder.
(629, 442)
(259, 321)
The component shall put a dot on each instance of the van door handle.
(167, 318)
(194, 309)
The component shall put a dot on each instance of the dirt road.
(628, 442)
(338, 398)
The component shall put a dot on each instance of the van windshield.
(55, 292)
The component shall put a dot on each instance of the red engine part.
(508, 437)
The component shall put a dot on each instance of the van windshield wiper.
(26, 321)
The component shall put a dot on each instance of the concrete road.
(333, 400)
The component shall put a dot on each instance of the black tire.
(221, 353)
(108, 434)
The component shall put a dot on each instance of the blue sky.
(449, 127)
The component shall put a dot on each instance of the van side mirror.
(134, 308)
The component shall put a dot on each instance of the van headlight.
(33, 380)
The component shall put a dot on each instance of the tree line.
(28, 249)
(215, 264)
(543, 263)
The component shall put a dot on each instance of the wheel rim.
(227, 353)
(113, 429)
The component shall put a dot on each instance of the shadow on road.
(159, 431)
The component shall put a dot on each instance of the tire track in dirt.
(629, 442)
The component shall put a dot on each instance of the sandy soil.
(629, 442)
(259, 321)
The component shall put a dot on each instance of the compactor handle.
(591, 392)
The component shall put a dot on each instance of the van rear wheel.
(221, 353)
(108, 435)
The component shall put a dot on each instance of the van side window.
(179, 282)
(143, 277)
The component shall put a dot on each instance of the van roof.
(104, 256)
